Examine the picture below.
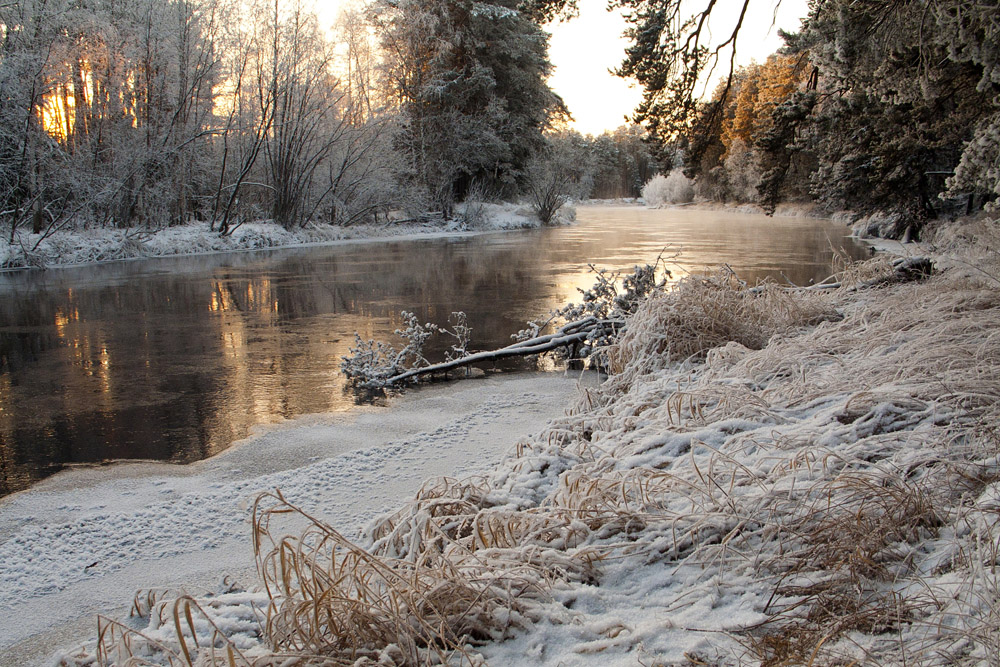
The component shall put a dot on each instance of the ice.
(363, 465)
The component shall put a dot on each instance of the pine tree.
(469, 79)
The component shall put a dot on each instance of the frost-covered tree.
(895, 111)
(153, 112)
(469, 80)
(561, 171)
(970, 31)
(881, 102)
(108, 106)
(624, 161)
(309, 113)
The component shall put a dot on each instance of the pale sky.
(585, 48)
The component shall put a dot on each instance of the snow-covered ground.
(70, 247)
(823, 487)
(85, 541)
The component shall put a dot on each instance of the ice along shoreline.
(79, 543)
(76, 248)
(822, 486)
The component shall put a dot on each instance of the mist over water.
(175, 359)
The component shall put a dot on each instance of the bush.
(672, 189)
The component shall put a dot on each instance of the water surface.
(174, 359)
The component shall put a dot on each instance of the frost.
(767, 475)
(580, 329)
(672, 189)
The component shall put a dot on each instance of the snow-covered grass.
(85, 540)
(84, 246)
(768, 476)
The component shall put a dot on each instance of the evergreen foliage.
(879, 108)
(469, 79)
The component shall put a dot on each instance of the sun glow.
(68, 104)
(58, 112)
(585, 50)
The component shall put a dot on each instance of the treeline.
(149, 113)
(888, 109)
(618, 163)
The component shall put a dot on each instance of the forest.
(886, 108)
(149, 113)
(793, 472)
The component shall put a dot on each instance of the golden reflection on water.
(176, 359)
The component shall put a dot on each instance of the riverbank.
(822, 486)
(76, 247)
(84, 541)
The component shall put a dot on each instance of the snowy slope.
(86, 541)
(823, 488)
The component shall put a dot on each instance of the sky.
(585, 48)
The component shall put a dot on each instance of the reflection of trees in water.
(177, 358)
(177, 366)
(106, 378)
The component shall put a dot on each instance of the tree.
(873, 103)
(624, 162)
(560, 172)
(309, 114)
(894, 110)
(469, 79)
(149, 112)
(971, 34)
(672, 55)
(106, 105)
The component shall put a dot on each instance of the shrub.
(672, 189)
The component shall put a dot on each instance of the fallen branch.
(538, 345)
(593, 323)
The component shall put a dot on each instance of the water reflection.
(175, 359)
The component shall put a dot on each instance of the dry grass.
(971, 245)
(706, 312)
(839, 447)
(459, 582)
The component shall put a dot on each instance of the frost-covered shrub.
(472, 213)
(371, 362)
(562, 172)
(672, 189)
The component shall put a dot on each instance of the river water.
(174, 359)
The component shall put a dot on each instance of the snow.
(83, 542)
(70, 247)
(823, 493)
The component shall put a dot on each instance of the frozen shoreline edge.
(194, 240)
(83, 248)
(365, 459)
(888, 246)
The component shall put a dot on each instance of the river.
(174, 359)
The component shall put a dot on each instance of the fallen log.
(569, 334)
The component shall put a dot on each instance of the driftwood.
(567, 335)
(597, 320)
